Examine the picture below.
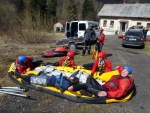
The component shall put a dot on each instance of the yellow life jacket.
(66, 63)
(101, 66)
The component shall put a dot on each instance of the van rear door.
(82, 28)
(67, 30)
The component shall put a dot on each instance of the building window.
(148, 25)
(138, 23)
(111, 24)
(105, 23)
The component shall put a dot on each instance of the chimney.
(124, 1)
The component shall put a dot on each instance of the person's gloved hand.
(119, 68)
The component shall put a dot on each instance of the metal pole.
(10, 90)
(11, 93)
(9, 87)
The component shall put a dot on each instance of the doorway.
(123, 27)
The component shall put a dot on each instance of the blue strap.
(60, 81)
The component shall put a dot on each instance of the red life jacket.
(113, 86)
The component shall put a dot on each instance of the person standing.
(99, 44)
(89, 35)
(101, 40)
(145, 30)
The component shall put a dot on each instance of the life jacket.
(101, 66)
(66, 62)
(113, 84)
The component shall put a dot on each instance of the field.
(10, 49)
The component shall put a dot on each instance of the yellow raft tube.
(70, 95)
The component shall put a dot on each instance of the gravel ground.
(141, 65)
(45, 103)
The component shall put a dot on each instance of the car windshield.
(134, 33)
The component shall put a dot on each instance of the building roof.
(125, 10)
(63, 22)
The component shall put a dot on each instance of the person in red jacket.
(117, 87)
(24, 64)
(102, 64)
(101, 40)
(68, 60)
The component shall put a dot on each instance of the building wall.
(58, 26)
(117, 27)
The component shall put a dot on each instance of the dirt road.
(141, 72)
(45, 103)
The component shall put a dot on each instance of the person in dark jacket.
(145, 30)
(117, 87)
(89, 35)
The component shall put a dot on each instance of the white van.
(77, 28)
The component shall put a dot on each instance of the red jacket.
(118, 86)
(70, 62)
(107, 64)
(21, 68)
(101, 39)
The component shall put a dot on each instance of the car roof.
(134, 30)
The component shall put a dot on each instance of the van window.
(82, 26)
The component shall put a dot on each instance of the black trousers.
(87, 46)
(91, 86)
(88, 66)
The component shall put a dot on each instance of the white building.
(59, 26)
(117, 18)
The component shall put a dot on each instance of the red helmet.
(102, 55)
(70, 54)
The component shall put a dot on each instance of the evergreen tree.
(72, 10)
(37, 10)
(64, 10)
(19, 5)
(88, 10)
(51, 13)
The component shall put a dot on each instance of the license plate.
(132, 39)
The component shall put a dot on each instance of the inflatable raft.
(57, 52)
(75, 96)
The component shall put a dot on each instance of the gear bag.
(42, 79)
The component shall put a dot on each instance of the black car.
(133, 38)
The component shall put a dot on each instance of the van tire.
(72, 46)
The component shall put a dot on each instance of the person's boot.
(83, 52)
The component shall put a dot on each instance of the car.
(136, 27)
(133, 38)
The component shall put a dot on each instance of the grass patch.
(146, 50)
